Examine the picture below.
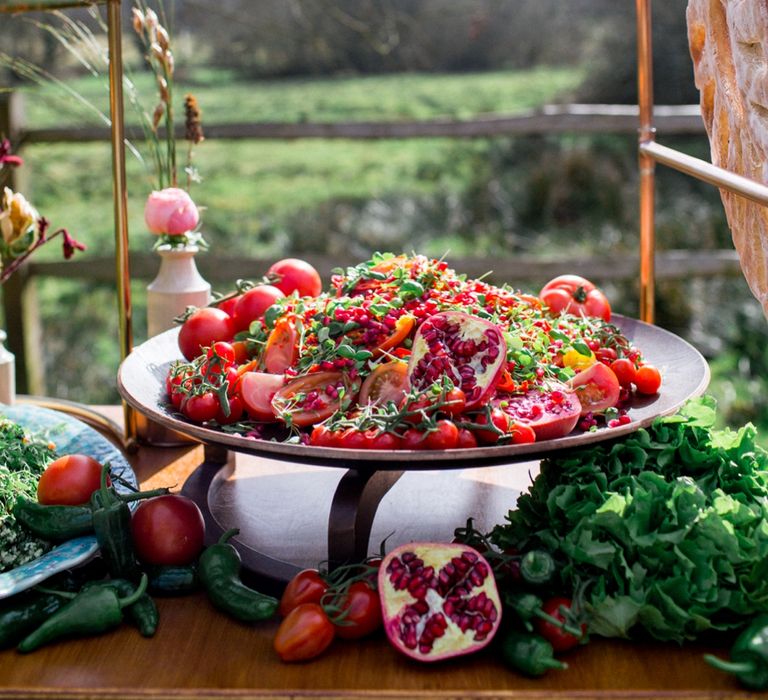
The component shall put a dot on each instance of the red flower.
(6, 157)
(70, 245)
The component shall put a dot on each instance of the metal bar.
(120, 197)
(43, 6)
(646, 164)
(701, 169)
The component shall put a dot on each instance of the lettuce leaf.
(665, 530)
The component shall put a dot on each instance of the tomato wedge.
(403, 326)
(282, 347)
(597, 388)
(257, 390)
(388, 382)
(310, 399)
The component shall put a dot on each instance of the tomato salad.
(404, 353)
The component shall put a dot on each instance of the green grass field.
(270, 198)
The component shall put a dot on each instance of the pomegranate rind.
(486, 366)
(397, 601)
(557, 419)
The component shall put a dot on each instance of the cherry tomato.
(606, 355)
(69, 481)
(521, 433)
(499, 419)
(241, 352)
(308, 586)
(403, 327)
(252, 304)
(320, 392)
(575, 295)
(228, 305)
(306, 632)
(218, 358)
(202, 329)
(559, 639)
(379, 440)
(597, 388)
(200, 408)
(282, 348)
(257, 389)
(360, 611)
(625, 371)
(353, 439)
(174, 386)
(647, 379)
(321, 436)
(445, 437)
(417, 409)
(455, 402)
(414, 439)
(168, 530)
(388, 382)
(236, 410)
(466, 438)
(293, 275)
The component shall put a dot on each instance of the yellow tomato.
(577, 361)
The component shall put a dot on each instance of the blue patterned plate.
(70, 436)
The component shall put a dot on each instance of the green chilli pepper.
(23, 613)
(537, 567)
(529, 654)
(219, 571)
(749, 656)
(92, 611)
(112, 527)
(143, 614)
(173, 580)
(53, 523)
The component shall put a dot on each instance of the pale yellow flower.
(17, 216)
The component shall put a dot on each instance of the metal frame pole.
(646, 134)
(125, 311)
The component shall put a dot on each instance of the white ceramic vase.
(178, 285)
(7, 373)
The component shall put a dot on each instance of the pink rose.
(170, 211)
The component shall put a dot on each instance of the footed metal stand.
(293, 516)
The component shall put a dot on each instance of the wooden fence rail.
(19, 300)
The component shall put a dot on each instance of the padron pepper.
(54, 523)
(92, 611)
(219, 572)
(537, 567)
(749, 656)
(171, 580)
(143, 614)
(529, 654)
(112, 527)
(23, 613)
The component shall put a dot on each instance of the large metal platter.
(141, 382)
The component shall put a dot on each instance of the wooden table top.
(197, 652)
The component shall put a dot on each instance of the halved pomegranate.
(552, 413)
(438, 600)
(469, 350)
